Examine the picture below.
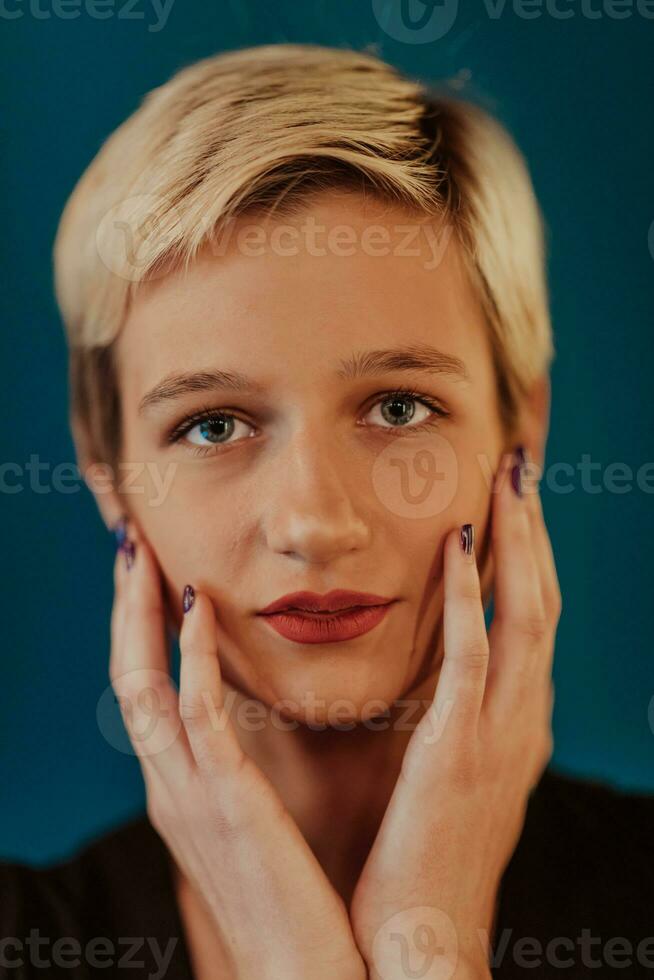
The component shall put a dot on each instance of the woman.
(309, 348)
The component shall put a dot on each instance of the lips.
(332, 602)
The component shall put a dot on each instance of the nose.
(309, 512)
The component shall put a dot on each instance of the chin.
(336, 696)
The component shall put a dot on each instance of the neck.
(336, 783)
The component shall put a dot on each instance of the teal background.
(577, 94)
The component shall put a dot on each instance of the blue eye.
(208, 429)
(216, 429)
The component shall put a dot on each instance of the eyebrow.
(417, 357)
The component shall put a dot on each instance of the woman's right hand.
(275, 912)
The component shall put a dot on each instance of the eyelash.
(206, 413)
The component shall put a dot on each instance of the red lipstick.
(307, 617)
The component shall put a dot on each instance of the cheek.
(190, 542)
(445, 477)
(417, 479)
(479, 448)
(472, 500)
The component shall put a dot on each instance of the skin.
(345, 820)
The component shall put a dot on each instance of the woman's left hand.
(427, 894)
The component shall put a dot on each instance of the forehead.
(288, 297)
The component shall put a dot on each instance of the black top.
(577, 896)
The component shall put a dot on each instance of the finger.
(550, 589)
(128, 536)
(118, 607)
(212, 739)
(120, 569)
(127, 533)
(461, 684)
(139, 669)
(518, 630)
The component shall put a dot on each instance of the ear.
(535, 420)
(98, 476)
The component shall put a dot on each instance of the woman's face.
(319, 478)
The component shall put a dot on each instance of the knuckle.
(474, 654)
(139, 607)
(150, 695)
(224, 824)
(533, 625)
(464, 773)
(126, 692)
(197, 644)
(524, 683)
(193, 709)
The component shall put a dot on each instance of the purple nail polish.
(129, 550)
(467, 538)
(517, 470)
(516, 479)
(120, 531)
(188, 598)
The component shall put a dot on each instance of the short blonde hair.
(238, 132)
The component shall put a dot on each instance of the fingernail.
(189, 597)
(517, 471)
(120, 531)
(467, 538)
(129, 550)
